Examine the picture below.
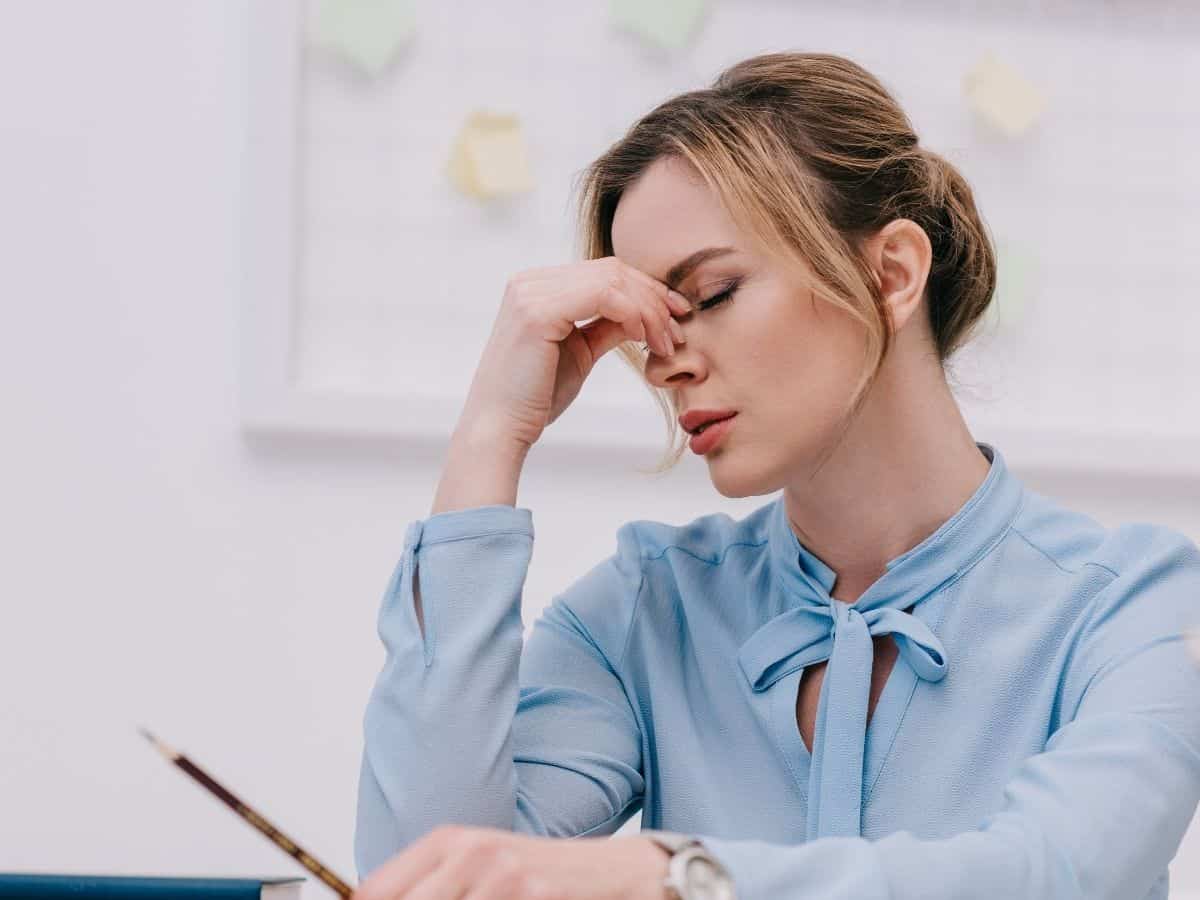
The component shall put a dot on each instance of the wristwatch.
(693, 874)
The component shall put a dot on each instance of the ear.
(900, 255)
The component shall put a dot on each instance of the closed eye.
(718, 299)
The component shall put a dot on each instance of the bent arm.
(466, 726)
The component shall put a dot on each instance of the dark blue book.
(14, 885)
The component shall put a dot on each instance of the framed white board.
(371, 284)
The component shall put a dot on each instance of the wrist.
(692, 872)
(482, 434)
(483, 468)
(658, 866)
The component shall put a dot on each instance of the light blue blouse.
(1038, 737)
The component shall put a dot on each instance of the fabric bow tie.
(835, 631)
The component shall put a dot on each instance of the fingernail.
(670, 343)
(680, 301)
(676, 331)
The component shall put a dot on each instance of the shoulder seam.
(1023, 536)
(637, 602)
(1056, 563)
(724, 551)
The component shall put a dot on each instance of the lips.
(702, 428)
(693, 420)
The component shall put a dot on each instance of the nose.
(666, 371)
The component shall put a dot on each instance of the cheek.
(809, 363)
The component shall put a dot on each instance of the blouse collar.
(919, 572)
(817, 628)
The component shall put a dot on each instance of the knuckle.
(613, 292)
(482, 846)
(615, 277)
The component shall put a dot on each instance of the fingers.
(408, 868)
(662, 302)
(678, 303)
(466, 858)
(641, 315)
(594, 294)
(643, 306)
(655, 331)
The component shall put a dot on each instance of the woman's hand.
(456, 862)
(536, 358)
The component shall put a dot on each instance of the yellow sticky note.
(1003, 96)
(489, 156)
(668, 23)
(366, 32)
(1016, 269)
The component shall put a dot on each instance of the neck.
(906, 466)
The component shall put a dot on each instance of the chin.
(734, 482)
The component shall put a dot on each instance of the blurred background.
(251, 252)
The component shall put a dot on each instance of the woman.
(908, 676)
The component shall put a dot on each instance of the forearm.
(483, 467)
(1000, 864)
(1097, 816)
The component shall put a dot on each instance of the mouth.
(702, 428)
(710, 435)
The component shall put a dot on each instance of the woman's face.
(784, 361)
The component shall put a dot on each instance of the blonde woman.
(908, 676)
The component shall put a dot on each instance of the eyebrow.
(684, 267)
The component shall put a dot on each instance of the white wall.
(160, 568)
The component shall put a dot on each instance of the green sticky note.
(366, 32)
(668, 23)
(1016, 272)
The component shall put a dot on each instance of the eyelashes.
(718, 299)
(726, 296)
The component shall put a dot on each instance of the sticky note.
(1007, 100)
(489, 157)
(367, 33)
(667, 23)
(1016, 269)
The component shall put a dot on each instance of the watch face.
(706, 882)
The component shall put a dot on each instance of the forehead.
(668, 214)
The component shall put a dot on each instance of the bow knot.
(805, 635)
(840, 633)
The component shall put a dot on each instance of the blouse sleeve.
(1098, 814)
(464, 724)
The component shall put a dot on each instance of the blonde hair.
(841, 160)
